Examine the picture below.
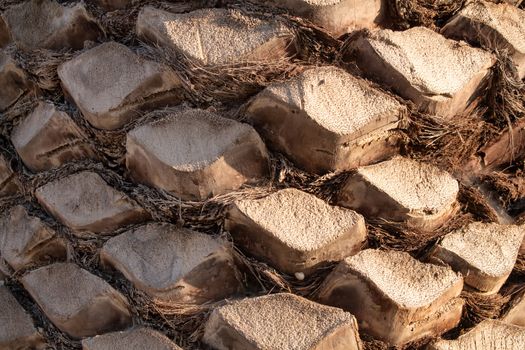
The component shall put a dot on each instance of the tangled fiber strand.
(510, 188)
(428, 13)
(41, 66)
(206, 84)
(504, 101)
(453, 143)
(119, 24)
(516, 293)
(370, 343)
(312, 43)
(262, 277)
(519, 268)
(449, 144)
(384, 234)
(4, 4)
(480, 307)
(16, 112)
(474, 202)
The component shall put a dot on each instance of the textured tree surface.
(235, 174)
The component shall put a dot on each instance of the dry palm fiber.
(41, 66)
(475, 203)
(4, 4)
(510, 187)
(452, 143)
(226, 82)
(449, 144)
(519, 268)
(516, 293)
(119, 24)
(262, 277)
(398, 236)
(479, 307)
(429, 13)
(504, 92)
(370, 343)
(16, 112)
(312, 43)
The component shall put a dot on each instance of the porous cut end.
(13, 81)
(338, 17)
(16, 326)
(85, 202)
(111, 85)
(325, 119)
(402, 190)
(26, 240)
(174, 265)
(196, 154)
(439, 75)
(136, 339)
(295, 231)
(45, 24)
(485, 253)
(48, 138)
(215, 36)
(378, 287)
(496, 26)
(77, 302)
(488, 335)
(281, 321)
(9, 183)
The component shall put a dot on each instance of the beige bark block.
(45, 24)
(112, 86)
(196, 154)
(484, 253)
(9, 183)
(174, 265)
(281, 321)
(48, 138)
(77, 302)
(338, 17)
(25, 239)
(295, 231)
(394, 297)
(497, 26)
(135, 339)
(439, 75)
(215, 36)
(16, 326)
(488, 335)
(327, 120)
(402, 190)
(85, 202)
(13, 81)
